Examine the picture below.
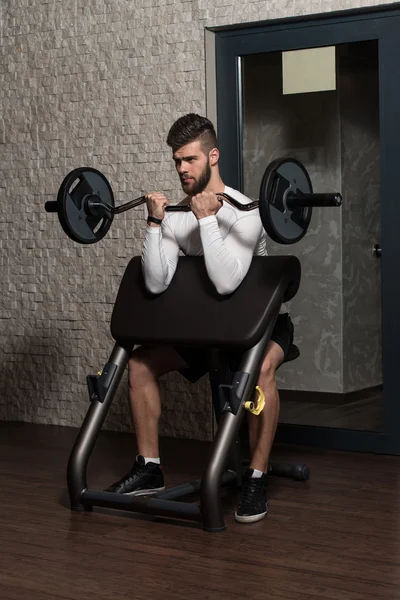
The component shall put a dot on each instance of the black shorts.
(196, 358)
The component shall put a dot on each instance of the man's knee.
(268, 369)
(141, 366)
(271, 362)
(148, 363)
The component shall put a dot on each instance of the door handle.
(377, 251)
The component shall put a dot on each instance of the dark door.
(342, 391)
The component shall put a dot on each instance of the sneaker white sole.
(144, 492)
(250, 518)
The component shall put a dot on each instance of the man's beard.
(200, 185)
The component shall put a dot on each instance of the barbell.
(86, 208)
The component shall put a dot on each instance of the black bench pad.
(192, 313)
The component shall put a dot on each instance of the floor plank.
(334, 537)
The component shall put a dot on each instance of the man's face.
(193, 168)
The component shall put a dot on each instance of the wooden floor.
(335, 537)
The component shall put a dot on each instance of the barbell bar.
(86, 208)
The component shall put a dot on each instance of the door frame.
(383, 24)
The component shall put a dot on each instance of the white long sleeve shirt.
(227, 240)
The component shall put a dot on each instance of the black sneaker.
(141, 480)
(253, 505)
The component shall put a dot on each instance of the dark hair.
(190, 128)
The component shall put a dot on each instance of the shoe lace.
(136, 471)
(252, 488)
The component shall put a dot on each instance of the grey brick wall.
(94, 83)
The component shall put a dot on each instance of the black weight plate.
(77, 224)
(284, 175)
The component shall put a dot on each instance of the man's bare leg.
(146, 365)
(262, 427)
(253, 503)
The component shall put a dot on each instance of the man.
(228, 239)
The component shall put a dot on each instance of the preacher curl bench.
(242, 321)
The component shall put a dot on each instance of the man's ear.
(214, 156)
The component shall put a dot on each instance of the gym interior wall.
(95, 84)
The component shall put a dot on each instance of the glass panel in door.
(337, 381)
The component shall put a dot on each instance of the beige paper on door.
(310, 70)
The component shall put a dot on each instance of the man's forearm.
(157, 269)
(223, 267)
